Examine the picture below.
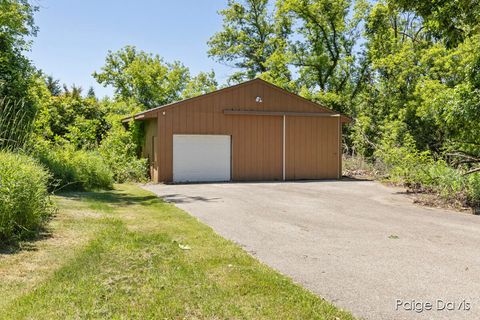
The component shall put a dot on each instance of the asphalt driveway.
(363, 246)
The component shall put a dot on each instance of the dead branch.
(472, 171)
(463, 157)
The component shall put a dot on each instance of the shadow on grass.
(108, 199)
(26, 244)
(116, 198)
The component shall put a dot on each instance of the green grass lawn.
(127, 254)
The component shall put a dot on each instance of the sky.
(75, 36)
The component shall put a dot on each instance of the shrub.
(75, 169)
(442, 179)
(420, 171)
(403, 161)
(118, 149)
(24, 200)
(473, 190)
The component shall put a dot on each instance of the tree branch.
(472, 171)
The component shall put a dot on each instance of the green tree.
(249, 38)
(16, 26)
(17, 76)
(395, 44)
(53, 85)
(72, 118)
(143, 77)
(74, 91)
(322, 47)
(450, 21)
(417, 80)
(203, 83)
(91, 93)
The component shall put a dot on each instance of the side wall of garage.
(312, 144)
(150, 147)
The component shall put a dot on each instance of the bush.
(421, 172)
(75, 169)
(473, 190)
(442, 179)
(118, 150)
(403, 162)
(24, 200)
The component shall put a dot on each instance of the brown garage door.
(311, 148)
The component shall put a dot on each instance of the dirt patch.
(418, 196)
(434, 200)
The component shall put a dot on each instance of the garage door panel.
(257, 148)
(311, 148)
(198, 158)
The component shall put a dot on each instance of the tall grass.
(72, 169)
(24, 201)
(16, 124)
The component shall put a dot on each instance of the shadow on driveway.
(182, 198)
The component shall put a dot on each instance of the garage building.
(253, 131)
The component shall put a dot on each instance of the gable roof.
(145, 113)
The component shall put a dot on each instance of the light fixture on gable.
(258, 99)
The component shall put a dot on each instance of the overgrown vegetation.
(422, 173)
(119, 151)
(24, 201)
(15, 125)
(74, 169)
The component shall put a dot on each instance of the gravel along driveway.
(359, 244)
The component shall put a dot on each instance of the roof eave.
(138, 116)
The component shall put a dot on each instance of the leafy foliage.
(53, 85)
(150, 81)
(325, 37)
(250, 37)
(71, 117)
(416, 79)
(16, 21)
(203, 83)
(143, 77)
(74, 169)
(451, 21)
(119, 151)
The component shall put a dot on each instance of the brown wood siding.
(149, 151)
(312, 142)
(312, 148)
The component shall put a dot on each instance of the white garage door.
(201, 158)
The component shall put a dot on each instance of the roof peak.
(257, 79)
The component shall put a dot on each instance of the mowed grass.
(126, 254)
